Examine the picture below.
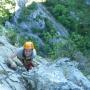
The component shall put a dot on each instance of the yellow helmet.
(28, 45)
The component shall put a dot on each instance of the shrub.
(80, 41)
(4, 12)
(26, 11)
(59, 10)
(11, 34)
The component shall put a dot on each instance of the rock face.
(34, 19)
(9, 80)
(59, 75)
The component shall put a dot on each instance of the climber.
(25, 54)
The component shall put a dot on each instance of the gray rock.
(16, 16)
(25, 26)
(9, 25)
(81, 59)
(46, 78)
(74, 86)
(36, 19)
(9, 79)
(87, 2)
(20, 3)
(62, 77)
(74, 75)
(88, 76)
(59, 75)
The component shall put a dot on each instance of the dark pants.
(28, 64)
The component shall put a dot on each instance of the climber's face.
(27, 52)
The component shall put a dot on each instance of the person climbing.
(25, 54)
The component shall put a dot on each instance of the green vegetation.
(26, 11)
(75, 43)
(5, 14)
(75, 16)
(47, 35)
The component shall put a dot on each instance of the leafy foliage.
(47, 35)
(26, 11)
(4, 11)
(75, 16)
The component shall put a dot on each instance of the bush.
(4, 12)
(26, 11)
(73, 44)
(78, 23)
(59, 10)
(81, 42)
(12, 35)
